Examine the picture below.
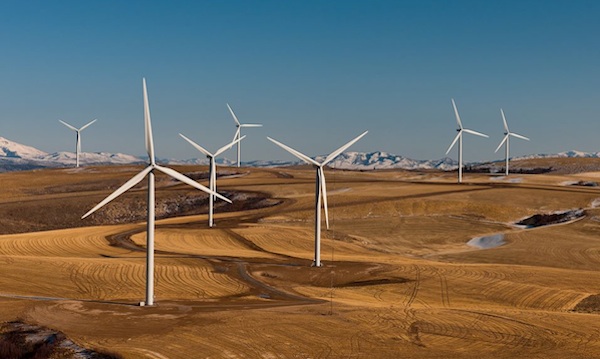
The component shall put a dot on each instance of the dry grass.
(398, 280)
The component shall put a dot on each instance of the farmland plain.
(398, 280)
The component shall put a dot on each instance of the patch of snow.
(568, 183)
(506, 179)
(487, 242)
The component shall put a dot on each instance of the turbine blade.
(457, 115)
(519, 136)
(228, 146)
(324, 192)
(337, 152)
(213, 176)
(300, 155)
(69, 126)
(501, 143)
(504, 120)
(197, 146)
(128, 185)
(251, 125)
(237, 134)
(148, 125)
(453, 142)
(89, 124)
(234, 116)
(475, 133)
(178, 176)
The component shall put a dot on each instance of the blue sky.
(315, 73)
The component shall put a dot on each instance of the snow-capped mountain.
(347, 160)
(565, 154)
(383, 160)
(15, 156)
(90, 158)
(10, 149)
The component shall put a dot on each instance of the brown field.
(398, 279)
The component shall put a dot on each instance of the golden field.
(399, 280)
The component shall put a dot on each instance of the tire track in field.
(415, 288)
(235, 267)
(443, 289)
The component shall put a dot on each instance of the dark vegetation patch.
(538, 220)
(284, 175)
(114, 183)
(65, 212)
(105, 185)
(334, 274)
(363, 283)
(590, 304)
(514, 170)
(585, 184)
(560, 165)
(204, 175)
(19, 340)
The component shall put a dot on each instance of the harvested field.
(398, 280)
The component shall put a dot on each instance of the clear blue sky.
(315, 73)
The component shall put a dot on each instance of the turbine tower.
(458, 138)
(149, 171)
(238, 130)
(213, 171)
(506, 139)
(78, 143)
(321, 188)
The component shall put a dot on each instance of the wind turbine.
(506, 138)
(239, 126)
(78, 143)
(321, 188)
(458, 138)
(213, 170)
(149, 171)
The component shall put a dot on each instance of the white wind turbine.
(238, 130)
(78, 143)
(458, 138)
(149, 171)
(213, 171)
(506, 139)
(321, 188)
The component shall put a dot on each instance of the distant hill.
(17, 157)
(350, 160)
(566, 154)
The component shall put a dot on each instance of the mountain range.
(15, 156)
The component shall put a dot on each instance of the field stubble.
(398, 280)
